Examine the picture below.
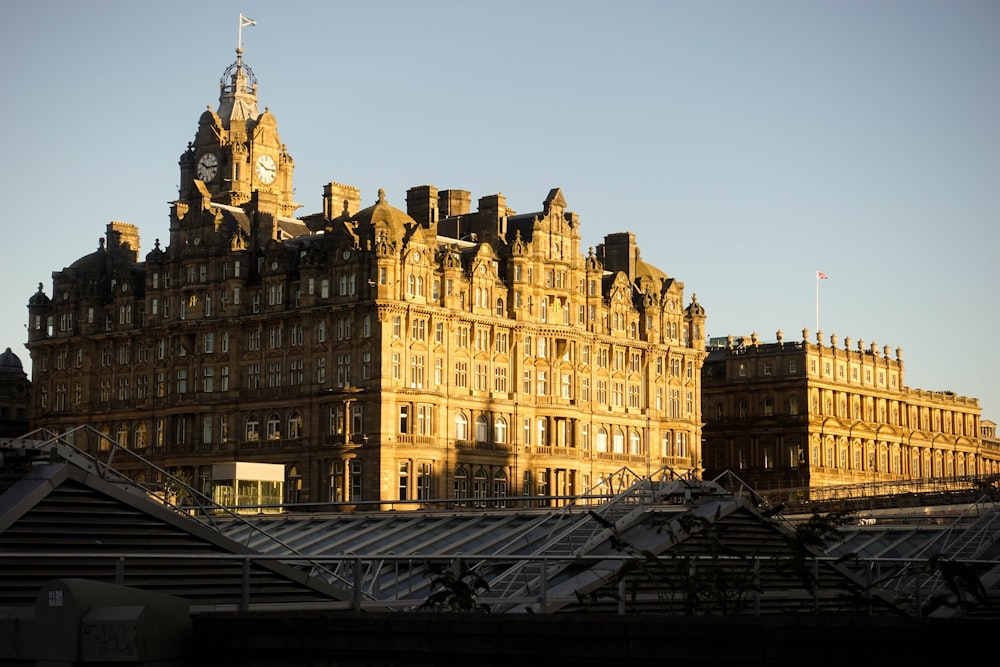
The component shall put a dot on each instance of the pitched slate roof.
(73, 518)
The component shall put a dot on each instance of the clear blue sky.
(747, 144)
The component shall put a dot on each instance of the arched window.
(461, 427)
(273, 426)
(482, 429)
(411, 284)
(634, 443)
(105, 440)
(602, 440)
(500, 430)
(480, 487)
(121, 437)
(618, 442)
(500, 486)
(140, 436)
(500, 310)
(295, 425)
(252, 428)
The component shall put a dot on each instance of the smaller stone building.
(809, 413)
(15, 396)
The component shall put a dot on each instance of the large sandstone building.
(812, 413)
(377, 354)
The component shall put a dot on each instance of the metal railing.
(875, 577)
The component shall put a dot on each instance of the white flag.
(244, 21)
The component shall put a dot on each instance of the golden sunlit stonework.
(807, 413)
(377, 354)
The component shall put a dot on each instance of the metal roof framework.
(663, 544)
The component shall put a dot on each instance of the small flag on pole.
(821, 275)
(244, 23)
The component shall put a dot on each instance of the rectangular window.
(274, 374)
(253, 376)
(404, 419)
(418, 329)
(425, 423)
(500, 379)
(404, 480)
(274, 337)
(295, 372)
(344, 370)
(356, 477)
(417, 371)
(344, 326)
(424, 478)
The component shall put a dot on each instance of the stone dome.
(10, 363)
(384, 217)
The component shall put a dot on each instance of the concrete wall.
(325, 639)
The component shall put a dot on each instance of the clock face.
(266, 169)
(208, 166)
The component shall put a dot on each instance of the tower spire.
(238, 92)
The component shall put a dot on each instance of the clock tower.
(237, 155)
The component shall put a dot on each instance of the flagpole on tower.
(819, 276)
